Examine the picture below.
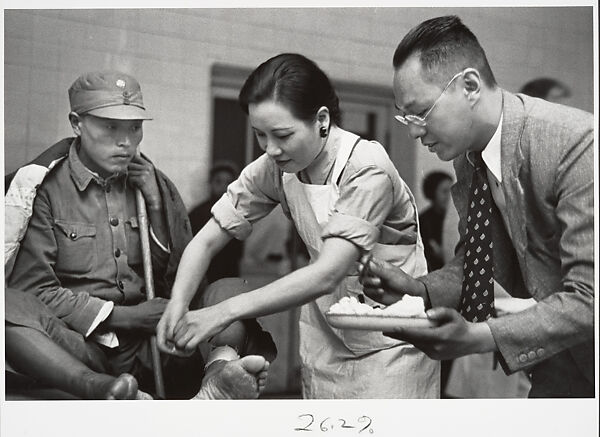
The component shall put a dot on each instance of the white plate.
(377, 323)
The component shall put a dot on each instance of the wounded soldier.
(77, 316)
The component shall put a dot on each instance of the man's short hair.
(541, 87)
(445, 47)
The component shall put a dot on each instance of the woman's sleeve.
(249, 198)
(366, 199)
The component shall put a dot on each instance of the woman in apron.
(346, 199)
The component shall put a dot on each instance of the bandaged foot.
(243, 378)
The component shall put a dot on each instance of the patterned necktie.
(477, 299)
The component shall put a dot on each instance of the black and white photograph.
(300, 219)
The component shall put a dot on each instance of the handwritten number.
(324, 428)
(364, 419)
(306, 428)
(344, 424)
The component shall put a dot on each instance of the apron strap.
(346, 149)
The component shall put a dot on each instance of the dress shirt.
(492, 156)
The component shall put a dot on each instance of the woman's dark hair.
(445, 47)
(295, 81)
(431, 182)
(542, 86)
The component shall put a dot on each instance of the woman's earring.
(323, 131)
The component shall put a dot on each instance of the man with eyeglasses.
(524, 194)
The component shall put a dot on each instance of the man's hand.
(453, 336)
(165, 330)
(143, 316)
(386, 283)
(142, 176)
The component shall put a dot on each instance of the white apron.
(351, 363)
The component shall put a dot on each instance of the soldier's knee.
(223, 289)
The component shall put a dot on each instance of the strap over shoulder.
(349, 142)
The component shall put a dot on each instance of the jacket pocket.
(134, 242)
(77, 247)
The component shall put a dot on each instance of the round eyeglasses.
(422, 121)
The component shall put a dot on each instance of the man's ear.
(75, 120)
(472, 85)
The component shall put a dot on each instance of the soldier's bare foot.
(123, 387)
(239, 379)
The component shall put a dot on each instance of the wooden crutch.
(149, 281)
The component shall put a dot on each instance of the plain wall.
(171, 53)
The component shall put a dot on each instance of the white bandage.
(225, 353)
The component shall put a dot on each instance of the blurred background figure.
(548, 89)
(435, 233)
(436, 188)
(226, 264)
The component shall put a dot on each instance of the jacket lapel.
(512, 159)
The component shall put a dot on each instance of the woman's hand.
(165, 330)
(200, 325)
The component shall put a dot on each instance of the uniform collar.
(83, 175)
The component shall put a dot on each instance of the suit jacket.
(548, 180)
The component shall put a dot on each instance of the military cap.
(108, 94)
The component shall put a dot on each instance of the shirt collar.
(491, 154)
(323, 163)
(83, 175)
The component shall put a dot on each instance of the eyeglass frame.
(421, 121)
